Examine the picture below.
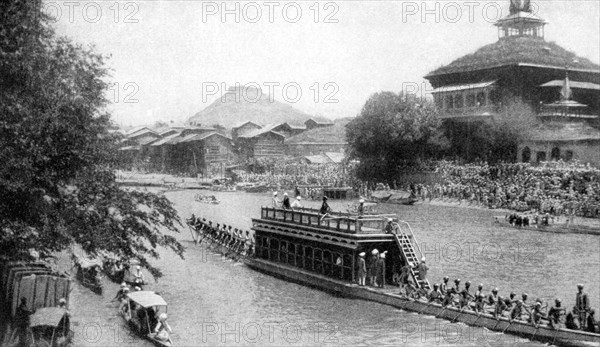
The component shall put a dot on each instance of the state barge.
(304, 247)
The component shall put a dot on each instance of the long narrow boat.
(553, 227)
(303, 247)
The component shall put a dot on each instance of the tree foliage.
(57, 184)
(391, 131)
(494, 139)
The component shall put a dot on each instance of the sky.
(171, 59)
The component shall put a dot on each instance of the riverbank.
(562, 224)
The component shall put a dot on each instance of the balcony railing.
(336, 221)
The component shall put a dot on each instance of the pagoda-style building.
(523, 66)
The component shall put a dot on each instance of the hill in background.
(238, 106)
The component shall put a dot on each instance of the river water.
(215, 301)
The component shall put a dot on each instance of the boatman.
(371, 266)
(536, 313)
(23, 321)
(591, 324)
(296, 204)
(389, 227)
(139, 277)
(404, 276)
(380, 270)
(121, 293)
(275, 201)
(286, 202)
(494, 301)
(554, 314)
(362, 269)
(162, 329)
(444, 285)
(582, 306)
(435, 295)
(465, 295)
(517, 310)
(361, 207)
(423, 268)
(325, 209)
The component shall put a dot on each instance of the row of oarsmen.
(516, 308)
(232, 238)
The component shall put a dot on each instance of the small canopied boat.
(145, 312)
(207, 199)
(50, 326)
(88, 272)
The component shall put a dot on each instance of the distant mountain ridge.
(238, 105)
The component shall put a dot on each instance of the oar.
(462, 310)
(203, 237)
(510, 322)
(444, 309)
(192, 232)
(426, 306)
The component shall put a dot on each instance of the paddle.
(191, 232)
(462, 310)
(427, 306)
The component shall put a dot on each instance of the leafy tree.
(391, 131)
(494, 139)
(57, 184)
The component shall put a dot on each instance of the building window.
(213, 150)
(439, 101)
(526, 155)
(555, 154)
(449, 102)
(540, 156)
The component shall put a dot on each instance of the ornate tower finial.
(519, 6)
(521, 21)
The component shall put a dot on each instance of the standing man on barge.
(380, 270)
(582, 306)
(362, 269)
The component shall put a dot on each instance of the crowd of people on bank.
(290, 175)
(556, 188)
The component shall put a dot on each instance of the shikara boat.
(141, 312)
(561, 227)
(88, 272)
(50, 326)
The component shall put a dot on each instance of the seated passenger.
(162, 329)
